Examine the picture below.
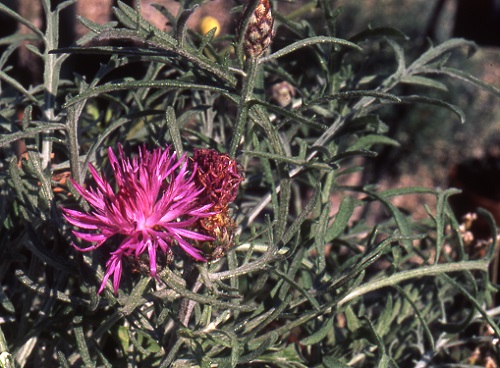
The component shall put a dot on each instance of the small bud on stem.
(259, 32)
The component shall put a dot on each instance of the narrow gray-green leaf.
(408, 190)
(437, 102)
(266, 344)
(379, 32)
(181, 26)
(442, 202)
(353, 322)
(308, 42)
(463, 76)
(95, 27)
(342, 217)
(63, 362)
(331, 362)
(401, 220)
(29, 133)
(319, 237)
(438, 51)
(35, 50)
(289, 114)
(367, 141)
(112, 127)
(173, 128)
(16, 39)
(283, 211)
(135, 299)
(14, 83)
(6, 303)
(386, 317)
(302, 216)
(400, 59)
(353, 94)
(81, 343)
(204, 299)
(289, 280)
(493, 229)
(320, 334)
(350, 154)
(11, 13)
(475, 303)
(290, 160)
(423, 271)
(164, 84)
(423, 81)
(421, 318)
(205, 40)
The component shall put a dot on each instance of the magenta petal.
(95, 246)
(192, 251)
(90, 237)
(152, 259)
(82, 220)
(192, 235)
(101, 183)
(117, 276)
(104, 281)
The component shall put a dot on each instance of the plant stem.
(413, 274)
(50, 76)
(191, 275)
(73, 146)
(246, 95)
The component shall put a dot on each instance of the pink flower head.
(155, 204)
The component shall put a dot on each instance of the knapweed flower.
(220, 176)
(155, 205)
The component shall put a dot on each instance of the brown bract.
(219, 175)
(259, 33)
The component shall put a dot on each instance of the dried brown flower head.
(220, 176)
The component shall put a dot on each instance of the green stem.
(246, 95)
(74, 113)
(191, 275)
(50, 76)
(413, 274)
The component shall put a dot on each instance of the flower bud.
(220, 176)
(259, 33)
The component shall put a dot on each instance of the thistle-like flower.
(154, 207)
(220, 176)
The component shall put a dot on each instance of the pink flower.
(155, 204)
